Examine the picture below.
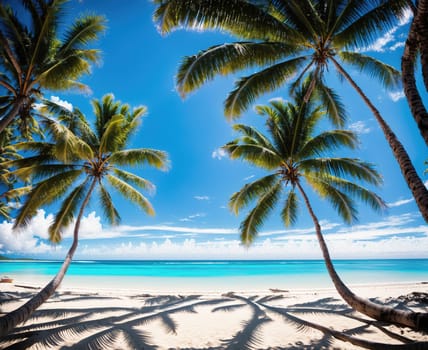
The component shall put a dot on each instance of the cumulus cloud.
(396, 95)
(359, 127)
(394, 236)
(65, 104)
(219, 153)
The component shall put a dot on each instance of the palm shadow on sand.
(108, 327)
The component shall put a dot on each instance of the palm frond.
(241, 18)
(156, 158)
(387, 75)
(44, 193)
(254, 220)
(251, 191)
(341, 202)
(110, 212)
(131, 193)
(247, 89)
(134, 179)
(225, 59)
(328, 141)
(65, 215)
(290, 209)
(335, 109)
(355, 168)
(258, 155)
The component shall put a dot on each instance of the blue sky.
(192, 220)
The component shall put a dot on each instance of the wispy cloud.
(219, 153)
(249, 177)
(396, 95)
(360, 127)
(202, 198)
(400, 202)
(192, 217)
(387, 42)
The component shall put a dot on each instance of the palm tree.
(417, 42)
(292, 153)
(289, 39)
(33, 58)
(71, 167)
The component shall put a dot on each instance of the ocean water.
(217, 275)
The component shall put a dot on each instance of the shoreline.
(214, 320)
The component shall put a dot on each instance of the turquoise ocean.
(216, 275)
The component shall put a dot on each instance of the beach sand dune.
(271, 319)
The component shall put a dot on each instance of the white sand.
(120, 318)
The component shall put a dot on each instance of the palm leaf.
(247, 89)
(328, 141)
(238, 17)
(254, 220)
(44, 193)
(131, 193)
(156, 158)
(342, 166)
(251, 191)
(110, 212)
(386, 74)
(335, 110)
(225, 59)
(134, 179)
(254, 154)
(290, 210)
(65, 215)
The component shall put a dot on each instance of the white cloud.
(202, 198)
(65, 104)
(384, 42)
(194, 216)
(249, 177)
(396, 95)
(219, 153)
(359, 127)
(397, 45)
(394, 236)
(400, 202)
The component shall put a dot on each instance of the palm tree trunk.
(22, 314)
(6, 120)
(417, 187)
(415, 320)
(422, 33)
(408, 61)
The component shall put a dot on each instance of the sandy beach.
(79, 318)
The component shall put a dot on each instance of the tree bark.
(416, 185)
(408, 61)
(421, 21)
(415, 320)
(23, 313)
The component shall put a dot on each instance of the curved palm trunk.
(414, 99)
(422, 33)
(415, 320)
(417, 187)
(12, 319)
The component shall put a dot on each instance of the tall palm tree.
(416, 43)
(71, 167)
(288, 40)
(292, 152)
(34, 58)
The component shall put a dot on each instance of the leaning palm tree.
(293, 154)
(34, 58)
(289, 40)
(71, 167)
(416, 43)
